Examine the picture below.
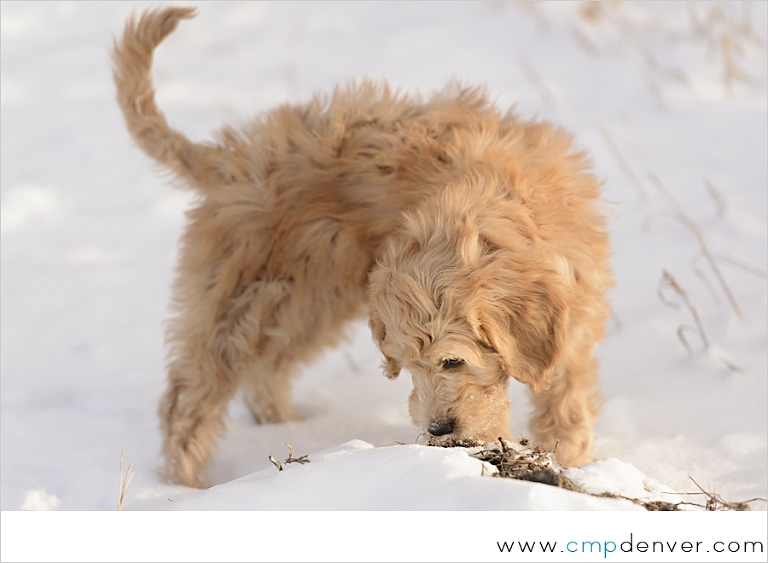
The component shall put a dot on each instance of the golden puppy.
(472, 239)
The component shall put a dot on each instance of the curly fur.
(465, 235)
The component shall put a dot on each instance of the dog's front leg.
(565, 413)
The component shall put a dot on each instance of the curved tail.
(132, 60)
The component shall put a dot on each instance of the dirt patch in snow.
(526, 462)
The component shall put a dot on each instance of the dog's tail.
(131, 63)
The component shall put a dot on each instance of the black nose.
(441, 427)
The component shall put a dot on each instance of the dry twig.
(530, 463)
(290, 459)
(275, 463)
(716, 502)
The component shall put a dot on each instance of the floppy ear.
(526, 327)
(379, 331)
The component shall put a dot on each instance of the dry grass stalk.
(623, 165)
(667, 281)
(729, 34)
(670, 72)
(592, 12)
(583, 40)
(704, 280)
(699, 330)
(743, 266)
(693, 16)
(653, 68)
(125, 480)
(716, 502)
(664, 191)
(694, 228)
(730, 365)
(716, 196)
(746, 28)
(532, 9)
(731, 49)
(596, 15)
(538, 82)
(658, 97)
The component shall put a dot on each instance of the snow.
(356, 476)
(89, 234)
(621, 478)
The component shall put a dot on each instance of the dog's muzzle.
(441, 427)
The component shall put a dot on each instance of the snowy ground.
(669, 98)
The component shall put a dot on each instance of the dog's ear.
(391, 367)
(526, 326)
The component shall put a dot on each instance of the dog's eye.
(452, 363)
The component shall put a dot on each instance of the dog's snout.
(441, 427)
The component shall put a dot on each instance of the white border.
(371, 536)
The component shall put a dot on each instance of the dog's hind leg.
(258, 339)
(190, 415)
(306, 323)
(214, 341)
(284, 340)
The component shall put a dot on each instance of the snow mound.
(358, 476)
